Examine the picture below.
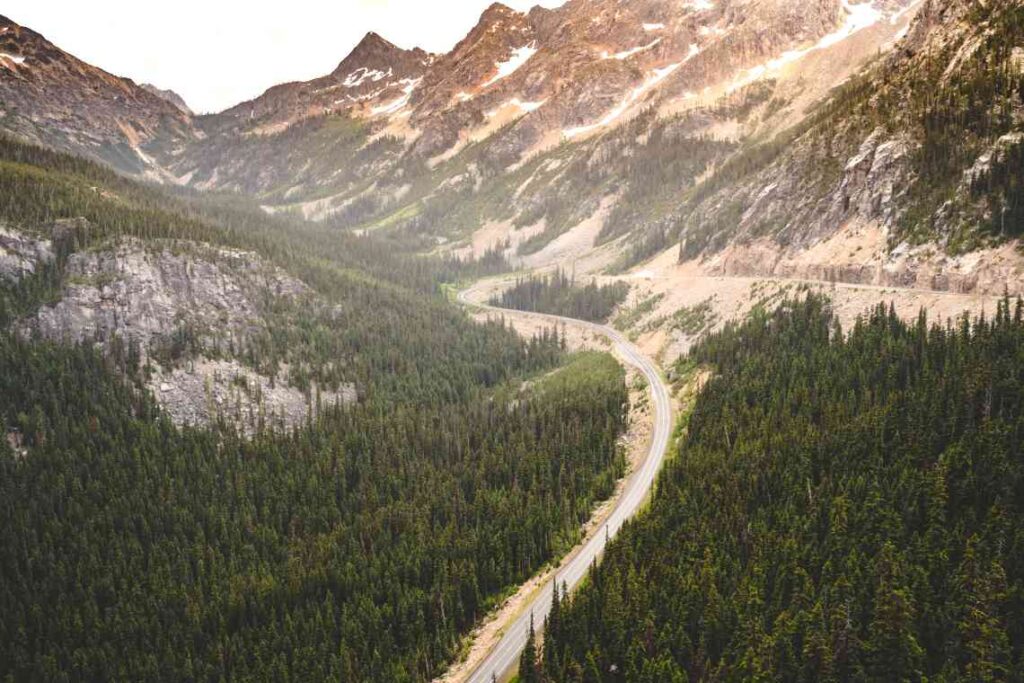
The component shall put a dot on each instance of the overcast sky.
(216, 53)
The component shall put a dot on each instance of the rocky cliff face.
(144, 294)
(189, 310)
(22, 254)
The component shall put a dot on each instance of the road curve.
(505, 654)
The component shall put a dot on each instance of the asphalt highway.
(504, 656)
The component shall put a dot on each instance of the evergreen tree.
(529, 666)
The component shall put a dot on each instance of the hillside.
(867, 509)
(254, 396)
(51, 98)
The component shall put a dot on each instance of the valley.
(498, 656)
(620, 341)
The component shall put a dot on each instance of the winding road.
(504, 655)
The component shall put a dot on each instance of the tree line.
(558, 294)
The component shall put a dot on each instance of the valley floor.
(672, 304)
(646, 441)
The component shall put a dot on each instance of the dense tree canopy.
(360, 546)
(843, 508)
(559, 294)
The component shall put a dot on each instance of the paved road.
(505, 654)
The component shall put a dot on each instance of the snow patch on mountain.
(398, 104)
(656, 77)
(520, 56)
(362, 74)
(653, 27)
(7, 57)
(626, 54)
(859, 17)
(527, 106)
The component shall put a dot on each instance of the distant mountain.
(375, 71)
(711, 125)
(50, 97)
(392, 127)
(169, 95)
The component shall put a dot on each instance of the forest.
(868, 497)
(362, 545)
(558, 294)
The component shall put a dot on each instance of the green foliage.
(361, 547)
(629, 317)
(693, 320)
(558, 294)
(843, 508)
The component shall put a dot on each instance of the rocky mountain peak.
(374, 51)
(496, 11)
(169, 95)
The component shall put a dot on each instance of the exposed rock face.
(21, 254)
(204, 390)
(805, 198)
(52, 98)
(145, 296)
(169, 95)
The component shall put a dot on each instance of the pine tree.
(982, 634)
(529, 668)
(893, 650)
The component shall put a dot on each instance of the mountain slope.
(926, 145)
(49, 97)
(169, 95)
(644, 124)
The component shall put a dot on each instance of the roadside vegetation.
(558, 294)
(843, 508)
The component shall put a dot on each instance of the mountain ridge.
(566, 102)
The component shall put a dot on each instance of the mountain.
(375, 71)
(52, 98)
(922, 152)
(748, 133)
(169, 95)
(521, 86)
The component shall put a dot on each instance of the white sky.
(217, 53)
